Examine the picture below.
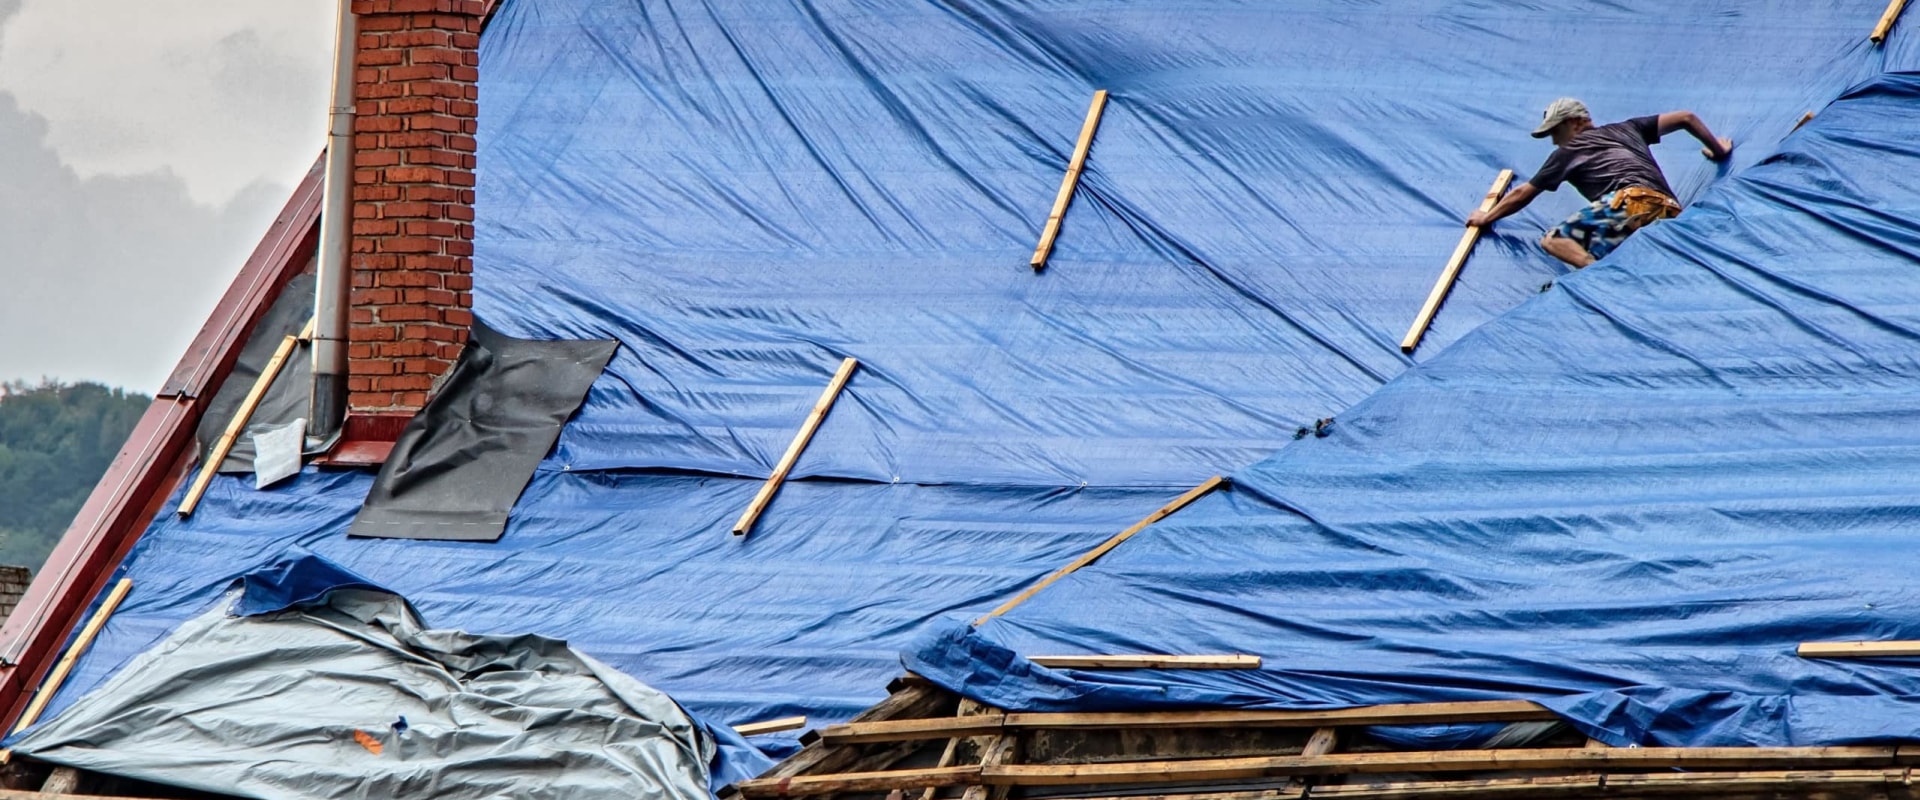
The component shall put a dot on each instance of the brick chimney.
(416, 94)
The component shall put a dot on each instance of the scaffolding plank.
(1452, 271)
(779, 476)
(1078, 162)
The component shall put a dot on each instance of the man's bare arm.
(1513, 202)
(1715, 148)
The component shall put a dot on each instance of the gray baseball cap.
(1559, 111)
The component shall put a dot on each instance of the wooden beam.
(1442, 761)
(999, 750)
(224, 444)
(779, 476)
(80, 644)
(1804, 119)
(882, 781)
(1148, 662)
(62, 780)
(1092, 555)
(1051, 230)
(914, 698)
(770, 726)
(1858, 649)
(1391, 714)
(1885, 25)
(1452, 272)
(968, 708)
(1799, 783)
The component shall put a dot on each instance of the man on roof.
(1611, 166)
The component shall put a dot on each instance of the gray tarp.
(268, 707)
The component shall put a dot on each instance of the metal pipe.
(335, 279)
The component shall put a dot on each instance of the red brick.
(365, 7)
(376, 158)
(438, 297)
(460, 212)
(370, 401)
(458, 283)
(466, 300)
(373, 333)
(410, 244)
(377, 193)
(374, 262)
(436, 55)
(417, 72)
(377, 23)
(465, 74)
(433, 194)
(470, 126)
(380, 91)
(463, 108)
(445, 22)
(429, 156)
(466, 265)
(374, 297)
(366, 211)
(429, 367)
(362, 279)
(372, 366)
(412, 105)
(420, 38)
(357, 384)
(408, 313)
(360, 316)
(473, 92)
(359, 351)
(466, 195)
(448, 89)
(398, 383)
(464, 144)
(465, 41)
(416, 139)
(457, 317)
(412, 210)
(421, 6)
(434, 228)
(408, 277)
(410, 400)
(368, 141)
(370, 41)
(360, 244)
(381, 57)
(430, 264)
(435, 122)
(375, 227)
(457, 177)
(378, 124)
(416, 175)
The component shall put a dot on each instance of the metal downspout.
(335, 279)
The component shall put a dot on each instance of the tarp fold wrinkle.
(318, 684)
(461, 463)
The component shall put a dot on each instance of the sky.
(145, 146)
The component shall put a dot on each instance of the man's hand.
(1726, 149)
(1479, 219)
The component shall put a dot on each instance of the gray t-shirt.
(1606, 158)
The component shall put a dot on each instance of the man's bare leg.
(1567, 250)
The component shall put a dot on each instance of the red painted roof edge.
(152, 461)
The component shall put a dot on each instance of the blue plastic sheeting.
(742, 192)
(806, 616)
(1628, 499)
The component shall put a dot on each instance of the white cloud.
(223, 93)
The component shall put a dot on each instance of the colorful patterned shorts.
(1605, 223)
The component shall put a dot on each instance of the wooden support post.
(800, 440)
(771, 726)
(224, 444)
(1148, 662)
(1885, 25)
(1320, 743)
(62, 780)
(1067, 184)
(1448, 275)
(60, 670)
(999, 750)
(1092, 555)
(1886, 649)
(968, 708)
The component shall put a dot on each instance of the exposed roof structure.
(1617, 499)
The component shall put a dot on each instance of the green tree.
(56, 440)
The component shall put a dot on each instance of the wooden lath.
(913, 743)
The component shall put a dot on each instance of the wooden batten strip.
(1441, 761)
(1393, 714)
(58, 676)
(224, 445)
(1452, 271)
(1885, 649)
(771, 726)
(1148, 662)
(1092, 555)
(1885, 26)
(884, 781)
(1051, 230)
(779, 476)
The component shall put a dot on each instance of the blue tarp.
(1629, 499)
(742, 192)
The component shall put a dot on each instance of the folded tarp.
(313, 683)
(1628, 500)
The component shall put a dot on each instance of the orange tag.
(366, 740)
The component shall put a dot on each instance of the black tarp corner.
(462, 462)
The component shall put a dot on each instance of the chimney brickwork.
(416, 95)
